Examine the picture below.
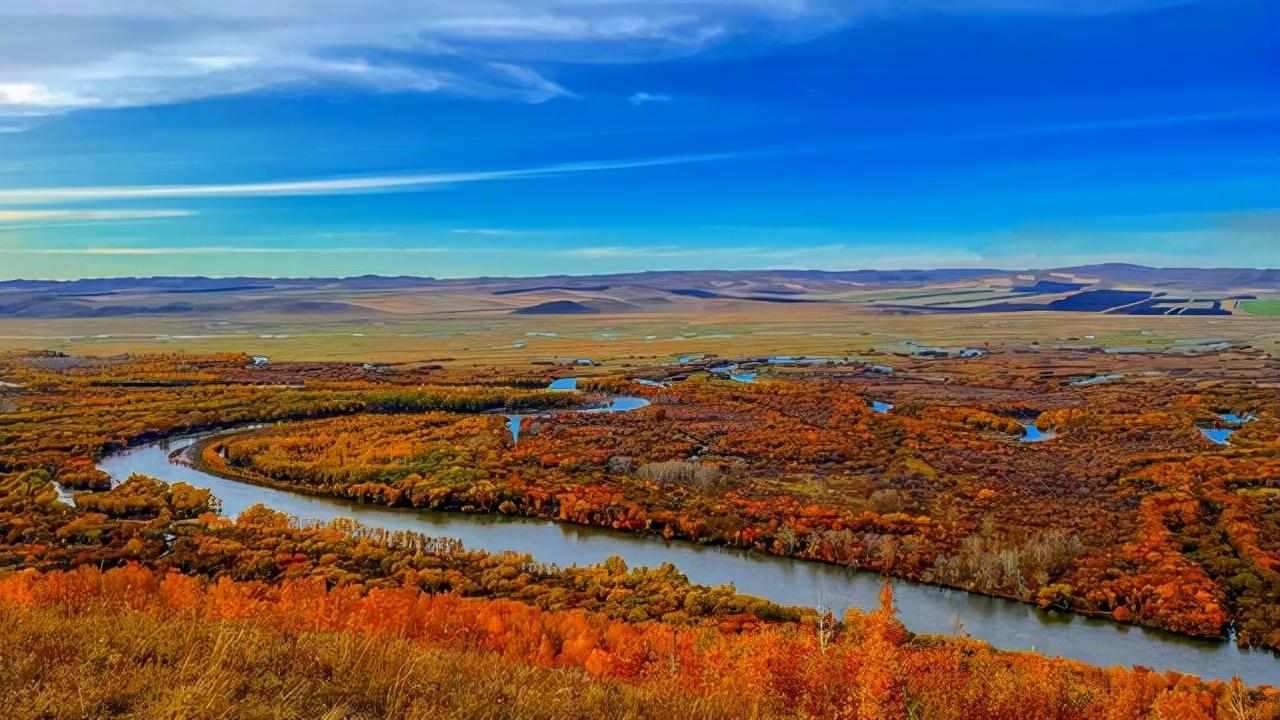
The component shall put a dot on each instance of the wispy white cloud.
(1116, 124)
(753, 252)
(70, 54)
(91, 54)
(1056, 7)
(1235, 239)
(338, 186)
(224, 250)
(603, 258)
(640, 98)
(507, 232)
(418, 181)
(1047, 129)
(613, 252)
(534, 83)
(36, 216)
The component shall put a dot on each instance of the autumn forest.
(1073, 481)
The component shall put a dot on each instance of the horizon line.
(944, 268)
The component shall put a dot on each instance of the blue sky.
(498, 137)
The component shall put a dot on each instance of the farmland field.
(1268, 308)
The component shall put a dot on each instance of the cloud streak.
(641, 98)
(420, 181)
(508, 232)
(74, 54)
(625, 252)
(341, 186)
(38, 216)
(223, 250)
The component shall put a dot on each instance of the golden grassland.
(720, 327)
(54, 665)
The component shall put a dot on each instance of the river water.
(1222, 436)
(1005, 624)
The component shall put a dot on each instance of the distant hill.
(1111, 288)
(556, 307)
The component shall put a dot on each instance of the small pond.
(1034, 434)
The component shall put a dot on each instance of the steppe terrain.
(646, 317)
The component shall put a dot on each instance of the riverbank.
(926, 609)
(205, 455)
(802, 459)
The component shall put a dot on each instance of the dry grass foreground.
(56, 666)
(131, 643)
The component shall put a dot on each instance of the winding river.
(1005, 624)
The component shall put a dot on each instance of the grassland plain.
(729, 328)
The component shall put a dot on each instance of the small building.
(259, 360)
